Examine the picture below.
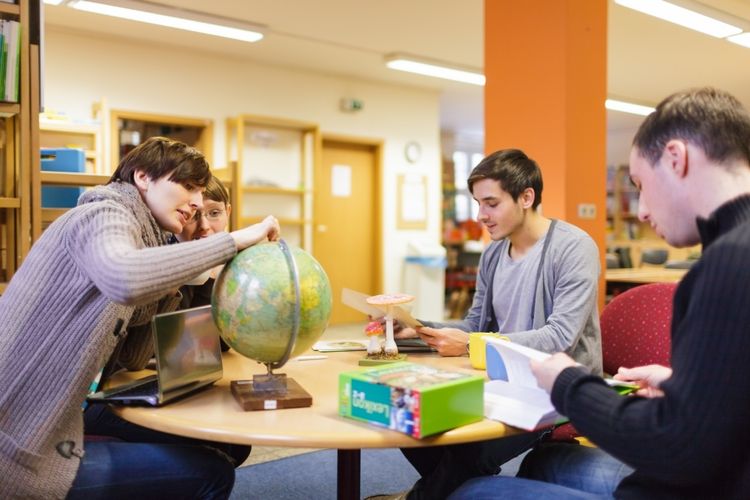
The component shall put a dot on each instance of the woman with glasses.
(211, 219)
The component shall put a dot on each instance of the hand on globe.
(267, 228)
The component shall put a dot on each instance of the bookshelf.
(274, 159)
(130, 128)
(18, 142)
(67, 134)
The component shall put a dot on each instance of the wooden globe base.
(272, 391)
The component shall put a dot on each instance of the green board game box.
(414, 399)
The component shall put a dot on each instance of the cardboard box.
(414, 399)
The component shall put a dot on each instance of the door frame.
(377, 147)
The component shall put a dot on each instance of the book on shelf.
(513, 396)
(10, 60)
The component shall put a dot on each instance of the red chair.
(636, 327)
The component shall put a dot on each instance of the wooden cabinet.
(274, 160)
(18, 142)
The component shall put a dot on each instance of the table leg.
(348, 474)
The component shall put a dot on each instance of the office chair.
(636, 328)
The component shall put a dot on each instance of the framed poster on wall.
(411, 209)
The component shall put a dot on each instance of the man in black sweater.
(685, 434)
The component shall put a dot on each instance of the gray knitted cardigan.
(97, 270)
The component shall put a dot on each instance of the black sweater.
(695, 441)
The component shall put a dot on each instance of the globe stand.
(273, 391)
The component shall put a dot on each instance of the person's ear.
(676, 153)
(142, 180)
(527, 198)
(229, 209)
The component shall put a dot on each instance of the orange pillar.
(546, 68)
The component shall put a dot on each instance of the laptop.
(188, 358)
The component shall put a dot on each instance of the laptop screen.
(187, 348)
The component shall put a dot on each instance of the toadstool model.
(389, 300)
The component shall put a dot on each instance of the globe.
(254, 302)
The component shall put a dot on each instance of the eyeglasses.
(212, 215)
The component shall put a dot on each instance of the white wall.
(81, 69)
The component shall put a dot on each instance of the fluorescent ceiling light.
(628, 107)
(742, 39)
(53, 2)
(150, 13)
(420, 66)
(682, 16)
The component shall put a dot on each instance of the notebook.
(188, 358)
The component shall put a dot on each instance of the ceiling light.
(682, 16)
(422, 66)
(628, 107)
(742, 39)
(53, 2)
(150, 13)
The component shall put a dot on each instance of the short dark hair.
(706, 117)
(513, 170)
(215, 191)
(158, 157)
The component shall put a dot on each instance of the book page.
(524, 407)
(509, 361)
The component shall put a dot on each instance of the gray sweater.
(565, 316)
(95, 271)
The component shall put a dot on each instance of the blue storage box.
(62, 160)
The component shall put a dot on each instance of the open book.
(513, 396)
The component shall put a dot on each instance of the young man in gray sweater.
(98, 273)
(537, 284)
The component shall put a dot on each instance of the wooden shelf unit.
(85, 136)
(197, 132)
(18, 142)
(273, 160)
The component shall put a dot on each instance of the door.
(346, 213)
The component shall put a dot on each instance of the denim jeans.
(143, 463)
(445, 468)
(118, 470)
(100, 420)
(554, 470)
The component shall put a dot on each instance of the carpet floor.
(313, 476)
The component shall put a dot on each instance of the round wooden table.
(213, 414)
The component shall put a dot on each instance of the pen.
(314, 356)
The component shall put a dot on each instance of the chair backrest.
(636, 327)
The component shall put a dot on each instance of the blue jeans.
(119, 470)
(99, 419)
(554, 470)
(445, 468)
(143, 463)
